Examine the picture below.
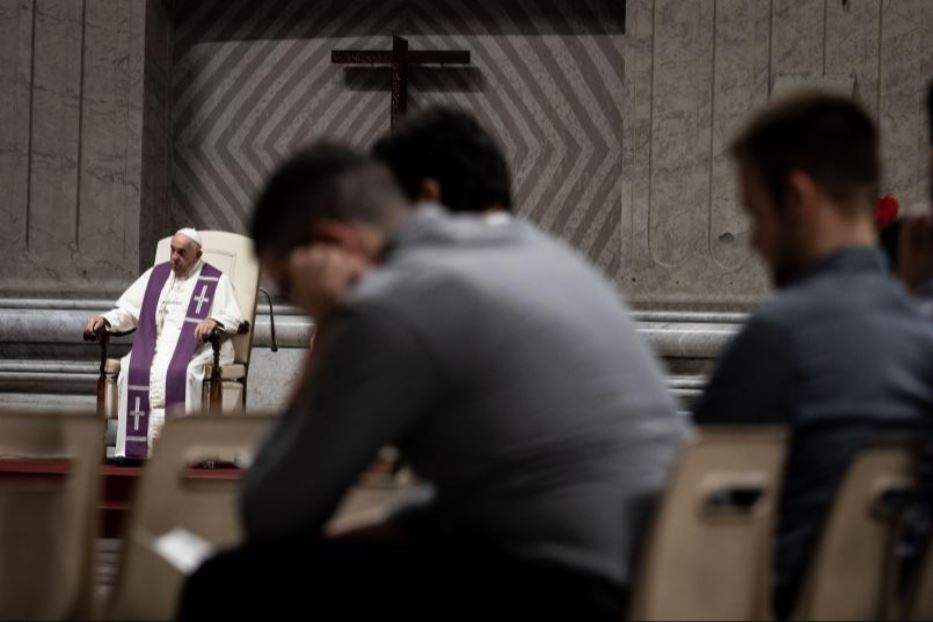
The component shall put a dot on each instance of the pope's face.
(185, 254)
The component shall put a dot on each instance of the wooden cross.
(400, 57)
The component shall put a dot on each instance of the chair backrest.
(709, 550)
(232, 254)
(851, 564)
(49, 492)
(147, 586)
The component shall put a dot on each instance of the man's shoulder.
(163, 268)
(147, 274)
(432, 284)
(471, 248)
(469, 259)
(806, 301)
(416, 281)
(766, 328)
(794, 311)
(208, 269)
(831, 296)
(784, 310)
(438, 232)
(837, 313)
(223, 277)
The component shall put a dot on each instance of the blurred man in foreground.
(505, 369)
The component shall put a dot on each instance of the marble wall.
(617, 127)
(695, 71)
(120, 120)
(155, 196)
(252, 81)
(44, 363)
(71, 137)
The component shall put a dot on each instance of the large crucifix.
(399, 57)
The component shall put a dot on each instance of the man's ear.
(805, 195)
(430, 191)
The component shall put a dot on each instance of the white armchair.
(224, 389)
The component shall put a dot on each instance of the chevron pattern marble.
(252, 81)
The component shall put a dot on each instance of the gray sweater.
(511, 377)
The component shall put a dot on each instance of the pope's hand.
(321, 276)
(93, 325)
(204, 329)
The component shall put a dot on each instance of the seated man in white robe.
(174, 307)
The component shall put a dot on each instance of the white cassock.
(170, 320)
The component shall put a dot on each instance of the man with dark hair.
(842, 354)
(544, 467)
(444, 156)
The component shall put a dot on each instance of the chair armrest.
(219, 335)
(216, 337)
(233, 371)
(104, 333)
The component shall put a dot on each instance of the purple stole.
(143, 351)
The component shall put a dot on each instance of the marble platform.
(44, 364)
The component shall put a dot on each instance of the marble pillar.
(71, 144)
(695, 71)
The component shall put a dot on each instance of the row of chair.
(707, 555)
(709, 552)
(50, 493)
(49, 513)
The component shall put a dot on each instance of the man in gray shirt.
(843, 355)
(506, 370)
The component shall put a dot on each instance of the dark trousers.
(437, 580)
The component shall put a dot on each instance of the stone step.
(54, 321)
(45, 376)
(41, 390)
(45, 363)
(38, 402)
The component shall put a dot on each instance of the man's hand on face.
(915, 251)
(204, 329)
(321, 276)
(93, 325)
